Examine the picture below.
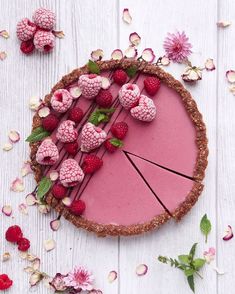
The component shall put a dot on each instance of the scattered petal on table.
(3, 55)
(6, 256)
(117, 54)
(34, 102)
(223, 23)
(58, 34)
(97, 54)
(23, 208)
(4, 34)
(49, 244)
(148, 55)
(134, 39)
(141, 270)
(209, 255)
(55, 224)
(7, 210)
(17, 185)
(209, 64)
(26, 169)
(7, 147)
(14, 136)
(126, 16)
(230, 75)
(228, 233)
(112, 276)
(131, 52)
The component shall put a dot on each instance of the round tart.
(153, 174)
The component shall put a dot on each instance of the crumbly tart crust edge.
(201, 141)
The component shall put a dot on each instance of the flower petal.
(44, 208)
(209, 64)
(36, 264)
(105, 83)
(131, 52)
(230, 75)
(67, 201)
(7, 210)
(58, 34)
(134, 39)
(17, 185)
(148, 55)
(228, 233)
(223, 23)
(35, 278)
(55, 224)
(31, 199)
(49, 244)
(75, 92)
(192, 74)
(14, 136)
(218, 271)
(141, 270)
(7, 147)
(4, 34)
(3, 55)
(165, 61)
(126, 16)
(26, 169)
(44, 111)
(97, 54)
(117, 54)
(6, 256)
(34, 102)
(112, 276)
(23, 208)
(232, 89)
(54, 175)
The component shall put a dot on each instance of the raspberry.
(71, 148)
(120, 77)
(47, 153)
(90, 85)
(27, 47)
(59, 191)
(5, 282)
(76, 114)
(145, 111)
(44, 18)
(25, 29)
(129, 95)
(13, 234)
(92, 137)
(70, 173)
(50, 122)
(23, 244)
(44, 41)
(66, 132)
(152, 85)
(109, 146)
(77, 207)
(91, 163)
(104, 98)
(119, 130)
(61, 100)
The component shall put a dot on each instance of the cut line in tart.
(153, 173)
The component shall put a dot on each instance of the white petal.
(23, 208)
(7, 147)
(141, 270)
(148, 55)
(54, 175)
(117, 54)
(105, 83)
(130, 52)
(26, 169)
(55, 224)
(44, 111)
(97, 54)
(230, 75)
(223, 23)
(135, 39)
(6, 256)
(49, 244)
(17, 185)
(75, 92)
(34, 103)
(7, 210)
(209, 64)
(126, 16)
(14, 136)
(112, 276)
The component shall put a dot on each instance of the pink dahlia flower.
(177, 47)
(79, 278)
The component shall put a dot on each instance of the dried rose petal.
(228, 233)
(209, 255)
(131, 52)
(36, 264)
(75, 92)
(7, 147)
(232, 89)
(148, 55)
(34, 102)
(165, 61)
(23, 208)
(58, 34)
(105, 83)
(30, 257)
(7, 210)
(55, 224)
(126, 16)
(4, 34)
(29, 269)
(218, 271)
(58, 282)
(67, 201)
(6, 256)
(26, 169)
(134, 39)
(209, 64)
(44, 111)
(141, 270)
(35, 278)
(223, 23)
(3, 55)
(230, 75)
(47, 281)
(97, 54)
(112, 276)
(54, 175)
(44, 208)
(14, 136)
(17, 185)
(49, 244)
(117, 54)
(31, 199)
(192, 74)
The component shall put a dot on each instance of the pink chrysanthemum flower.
(177, 47)
(79, 278)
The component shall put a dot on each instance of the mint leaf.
(131, 71)
(198, 263)
(184, 259)
(106, 110)
(192, 251)
(100, 115)
(190, 280)
(205, 226)
(37, 135)
(43, 187)
(93, 67)
(116, 142)
(189, 272)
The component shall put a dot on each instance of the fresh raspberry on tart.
(76, 114)
(119, 130)
(50, 122)
(112, 144)
(91, 164)
(59, 191)
(77, 207)
(71, 148)
(104, 98)
(152, 85)
(120, 77)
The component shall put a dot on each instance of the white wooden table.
(93, 24)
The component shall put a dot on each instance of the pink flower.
(177, 47)
(79, 278)
(209, 255)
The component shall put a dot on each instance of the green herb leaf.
(189, 272)
(192, 251)
(106, 110)
(198, 263)
(43, 187)
(116, 142)
(37, 135)
(205, 226)
(100, 115)
(131, 71)
(93, 67)
(184, 259)
(190, 280)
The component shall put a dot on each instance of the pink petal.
(14, 136)
(17, 185)
(4, 34)
(44, 208)
(58, 34)
(134, 39)
(97, 54)
(148, 55)
(3, 55)
(26, 169)
(75, 91)
(131, 52)
(165, 61)
(223, 23)
(55, 224)
(7, 210)
(228, 233)
(126, 16)
(232, 89)
(141, 270)
(117, 54)
(31, 199)
(230, 75)
(112, 276)
(44, 111)
(209, 64)
(23, 208)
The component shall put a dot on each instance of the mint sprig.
(43, 187)
(93, 67)
(37, 135)
(101, 115)
(205, 226)
(186, 263)
(131, 71)
(116, 142)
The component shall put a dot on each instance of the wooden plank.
(152, 20)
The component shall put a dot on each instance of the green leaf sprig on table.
(205, 226)
(101, 115)
(186, 263)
